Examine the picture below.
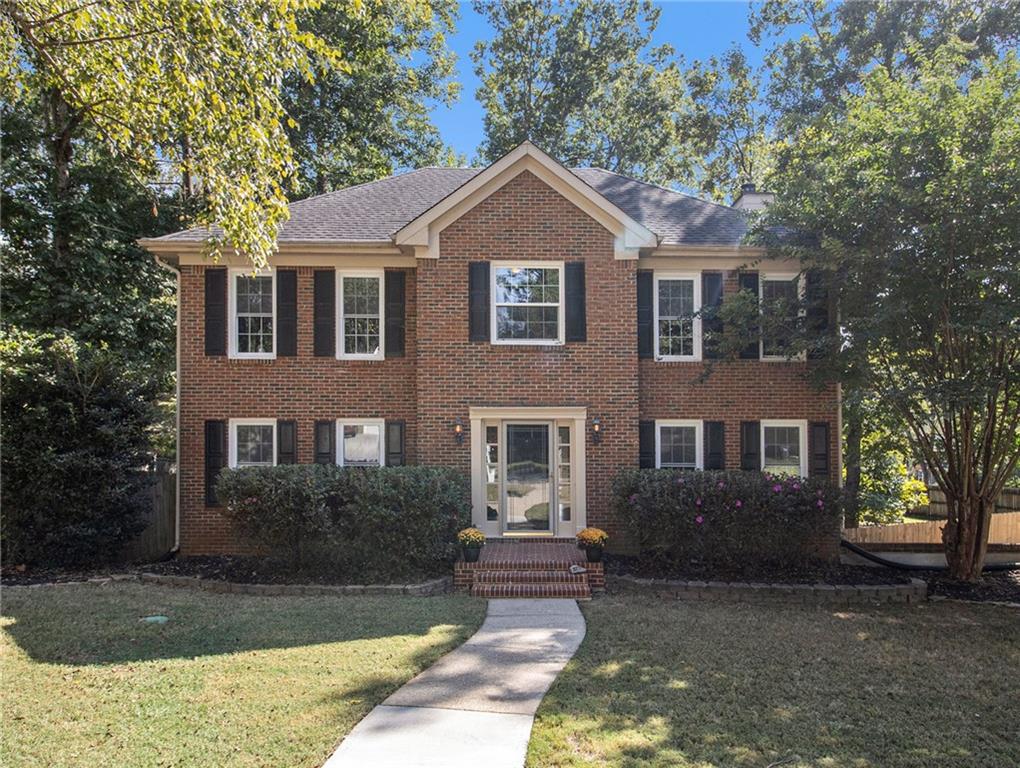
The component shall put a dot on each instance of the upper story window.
(360, 443)
(361, 315)
(677, 328)
(678, 444)
(784, 447)
(252, 314)
(252, 442)
(527, 303)
(780, 298)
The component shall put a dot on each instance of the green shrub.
(75, 442)
(380, 523)
(726, 518)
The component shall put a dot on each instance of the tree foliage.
(583, 82)
(913, 193)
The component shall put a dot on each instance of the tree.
(913, 194)
(181, 83)
(360, 122)
(582, 82)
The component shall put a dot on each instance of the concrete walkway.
(474, 707)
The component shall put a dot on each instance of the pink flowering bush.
(726, 517)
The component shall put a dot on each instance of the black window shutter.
(577, 323)
(749, 282)
(325, 442)
(646, 444)
(750, 445)
(395, 455)
(818, 449)
(817, 308)
(645, 287)
(715, 445)
(286, 442)
(711, 323)
(216, 311)
(478, 301)
(395, 313)
(286, 312)
(215, 457)
(324, 312)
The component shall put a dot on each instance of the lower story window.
(783, 448)
(252, 443)
(360, 443)
(678, 445)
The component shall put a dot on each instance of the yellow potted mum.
(471, 541)
(592, 541)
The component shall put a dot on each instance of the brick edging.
(437, 586)
(812, 594)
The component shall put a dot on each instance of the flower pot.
(471, 554)
(593, 553)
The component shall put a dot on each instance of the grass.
(699, 684)
(231, 680)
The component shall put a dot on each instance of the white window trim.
(695, 277)
(232, 426)
(800, 424)
(341, 423)
(560, 316)
(778, 277)
(699, 439)
(340, 275)
(232, 275)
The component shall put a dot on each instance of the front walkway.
(474, 707)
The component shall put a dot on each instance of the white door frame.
(577, 417)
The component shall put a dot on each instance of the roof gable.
(422, 232)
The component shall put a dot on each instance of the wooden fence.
(1009, 501)
(1005, 530)
(159, 504)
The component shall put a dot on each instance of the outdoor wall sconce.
(596, 430)
(458, 431)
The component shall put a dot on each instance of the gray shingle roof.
(376, 210)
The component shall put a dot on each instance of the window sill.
(240, 357)
(361, 358)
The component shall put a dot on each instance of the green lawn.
(698, 684)
(231, 680)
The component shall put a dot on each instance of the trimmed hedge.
(726, 518)
(381, 523)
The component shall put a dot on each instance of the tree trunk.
(965, 535)
(854, 429)
(61, 124)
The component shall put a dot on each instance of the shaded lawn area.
(231, 680)
(682, 684)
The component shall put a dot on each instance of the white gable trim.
(422, 234)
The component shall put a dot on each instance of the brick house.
(533, 325)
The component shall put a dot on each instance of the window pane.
(527, 323)
(362, 330)
(676, 318)
(361, 445)
(779, 302)
(527, 285)
(254, 314)
(677, 447)
(782, 449)
(254, 444)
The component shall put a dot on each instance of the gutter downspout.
(177, 406)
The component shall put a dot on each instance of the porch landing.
(529, 568)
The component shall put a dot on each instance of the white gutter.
(177, 406)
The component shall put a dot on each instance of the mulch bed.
(240, 570)
(1002, 587)
(820, 573)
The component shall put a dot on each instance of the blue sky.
(695, 29)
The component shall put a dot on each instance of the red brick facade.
(443, 374)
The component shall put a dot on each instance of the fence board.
(1009, 501)
(159, 516)
(1005, 530)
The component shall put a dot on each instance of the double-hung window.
(252, 442)
(678, 444)
(780, 301)
(677, 325)
(361, 318)
(527, 303)
(252, 301)
(784, 447)
(360, 443)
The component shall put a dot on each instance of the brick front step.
(521, 576)
(575, 591)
